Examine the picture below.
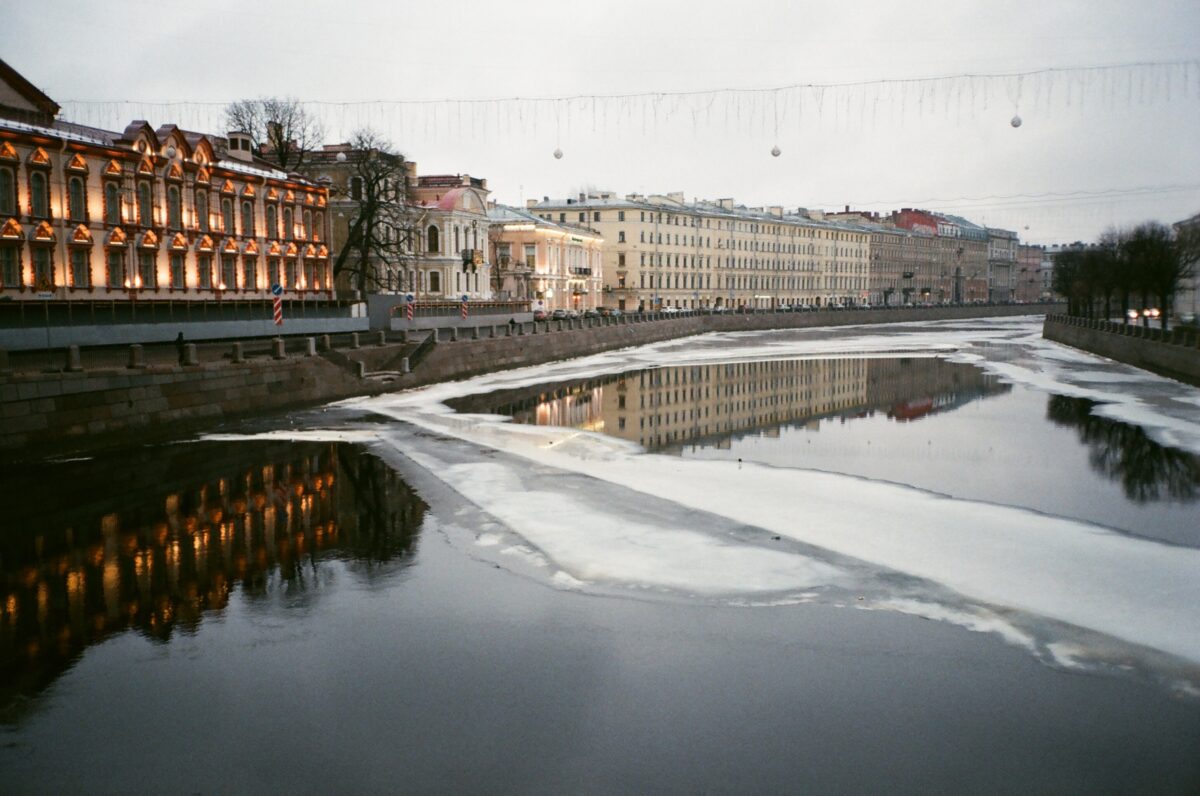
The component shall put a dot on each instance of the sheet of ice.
(1019, 562)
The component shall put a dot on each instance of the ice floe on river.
(596, 513)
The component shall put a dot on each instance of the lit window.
(75, 200)
(81, 275)
(10, 266)
(39, 197)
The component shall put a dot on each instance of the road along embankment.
(1175, 353)
(77, 409)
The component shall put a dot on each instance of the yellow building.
(661, 251)
(147, 214)
(554, 265)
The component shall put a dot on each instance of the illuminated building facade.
(148, 214)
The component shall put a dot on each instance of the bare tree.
(381, 221)
(283, 130)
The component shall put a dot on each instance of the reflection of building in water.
(668, 407)
(206, 520)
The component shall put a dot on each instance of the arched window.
(144, 206)
(435, 282)
(308, 225)
(227, 216)
(319, 224)
(43, 267)
(249, 273)
(148, 269)
(174, 208)
(8, 193)
(76, 209)
(272, 228)
(288, 230)
(39, 196)
(434, 242)
(248, 219)
(115, 259)
(457, 242)
(202, 210)
(204, 271)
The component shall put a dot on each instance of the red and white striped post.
(277, 294)
(464, 306)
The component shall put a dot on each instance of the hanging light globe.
(775, 150)
(341, 157)
(558, 154)
(1016, 121)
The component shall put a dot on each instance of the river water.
(918, 557)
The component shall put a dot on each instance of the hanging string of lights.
(761, 111)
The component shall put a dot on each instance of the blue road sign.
(277, 289)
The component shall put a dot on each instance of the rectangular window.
(10, 266)
(204, 271)
(621, 236)
(43, 269)
(116, 267)
(273, 271)
(582, 217)
(147, 270)
(228, 273)
(291, 275)
(530, 255)
(562, 217)
(250, 273)
(81, 275)
(596, 216)
(620, 215)
(177, 274)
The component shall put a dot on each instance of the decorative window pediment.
(230, 247)
(78, 163)
(320, 200)
(81, 236)
(204, 244)
(272, 195)
(291, 250)
(202, 176)
(12, 230)
(149, 240)
(174, 172)
(38, 157)
(228, 187)
(146, 166)
(290, 196)
(179, 241)
(249, 191)
(251, 248)
(322, 252)
(7, 152)
(310, 251)
(44, 232)
(309, 199)
(113, 169)
(116, 238)
(274, 249)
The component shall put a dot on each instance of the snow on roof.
(53, 132)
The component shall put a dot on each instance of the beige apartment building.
(662, 251)
(552, 264)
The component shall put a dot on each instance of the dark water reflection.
(1146, 470)
(157, 540)
(943, 426)
(664, 409)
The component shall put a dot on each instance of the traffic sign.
(277, 289)
(465, 298)
(409, 297)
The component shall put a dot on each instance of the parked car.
(539, 315)
(591, 313)
(559, 315)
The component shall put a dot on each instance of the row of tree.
(1134, 269)
(379, 220)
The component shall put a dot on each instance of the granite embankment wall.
(1175, 354)
(49, 411)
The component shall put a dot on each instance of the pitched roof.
(27, 90)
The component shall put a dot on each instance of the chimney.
(776, 211)
(531, 203)
(240, 145)
(582, 197)
(847, 208)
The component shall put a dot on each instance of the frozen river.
(913, 557)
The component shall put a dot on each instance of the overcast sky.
(876, 147)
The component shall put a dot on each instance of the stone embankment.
(1175, 353)
(80, 406)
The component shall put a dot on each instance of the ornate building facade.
(557, 264)
(148, 214)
